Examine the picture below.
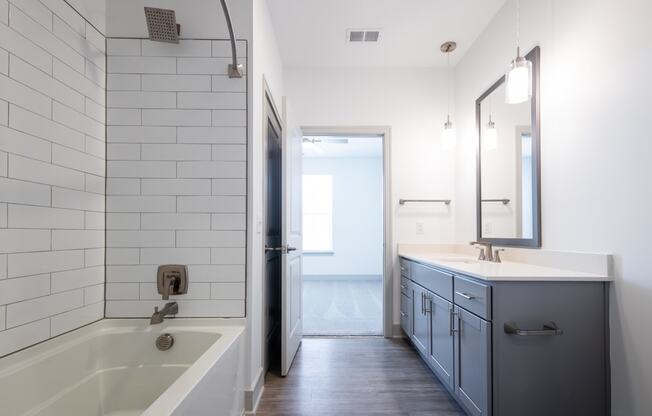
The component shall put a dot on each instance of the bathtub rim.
(229, 330)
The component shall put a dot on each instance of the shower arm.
(235, 69)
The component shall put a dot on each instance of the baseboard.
(397, 332)
(252, 397)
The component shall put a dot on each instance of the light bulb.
(490, 139)
(448, 135)
(519, 80)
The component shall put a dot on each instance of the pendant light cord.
(518, 26)
(448, 84)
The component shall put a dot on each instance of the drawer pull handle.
(465, 296)
(549, 329)
(403, 287)
(402, 314)
(402, 268)
(451, 323)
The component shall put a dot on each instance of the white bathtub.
(113, 367)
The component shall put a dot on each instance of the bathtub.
(113, 368)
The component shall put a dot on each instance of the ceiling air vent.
(363, 35)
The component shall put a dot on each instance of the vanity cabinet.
(420, 334)
(473, 362)
(510, 348)
(442, 331)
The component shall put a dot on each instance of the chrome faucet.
(487, 252)
(170, 308)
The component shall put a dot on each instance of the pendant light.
(519, 76)
(448, 134)
(490, 134)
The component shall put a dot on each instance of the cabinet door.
(406, 314)
(473, 363)
(420, 319)
(442, 346)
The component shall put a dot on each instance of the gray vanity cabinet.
(473, 362)
(420, 319)
(442, 327)
(511, 348)
(406, 306)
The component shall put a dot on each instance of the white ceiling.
(356, 147)
(313, 32)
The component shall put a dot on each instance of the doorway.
(272, 191)
(343, 234)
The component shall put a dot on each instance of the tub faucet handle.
(168, 287)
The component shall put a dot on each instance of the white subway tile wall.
(176, 176)
(52, 171)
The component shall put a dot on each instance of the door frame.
(386, 133)
(267, 104)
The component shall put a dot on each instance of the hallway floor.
(334, 306)
(356, 376)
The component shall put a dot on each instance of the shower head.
(162, 25)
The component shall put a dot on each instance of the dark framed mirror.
(509, 165)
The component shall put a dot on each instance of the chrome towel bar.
(445, 201)
(504, 201)
(549, 329)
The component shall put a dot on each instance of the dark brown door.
(273, 238)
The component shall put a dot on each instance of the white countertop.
(505, 271)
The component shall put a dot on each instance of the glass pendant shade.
(448, 135)
(490, 139)
(518, 80)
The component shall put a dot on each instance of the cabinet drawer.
(405, 284)
(405, 267)
(473, 296)
(436, 281)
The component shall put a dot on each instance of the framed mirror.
(508, 166)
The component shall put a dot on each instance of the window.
(317, 213)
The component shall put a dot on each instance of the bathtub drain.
(164, 342)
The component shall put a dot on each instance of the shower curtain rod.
(235, 69)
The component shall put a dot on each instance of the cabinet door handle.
(421, 303)
(403, 287)
(465, 296)
(402, 314)
(549, 329)
(428, 304)
(451, 323)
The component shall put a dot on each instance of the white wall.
(266, 62)
(52, 66)
(94, 11)
(176, 176)
(357, 216)
(596, 147)
(413, 103)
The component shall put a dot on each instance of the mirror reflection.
(508, 196)
(506, 154)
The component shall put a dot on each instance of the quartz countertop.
(505, 271)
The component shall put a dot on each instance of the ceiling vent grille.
(363, 35)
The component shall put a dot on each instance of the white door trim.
(386, 133)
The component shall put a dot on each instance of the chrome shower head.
(162, 25)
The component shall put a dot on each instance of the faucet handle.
(482, 255)
(155, 309)
(497, 255)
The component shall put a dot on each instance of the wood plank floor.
(356, 376)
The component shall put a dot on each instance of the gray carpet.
(342, 307)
